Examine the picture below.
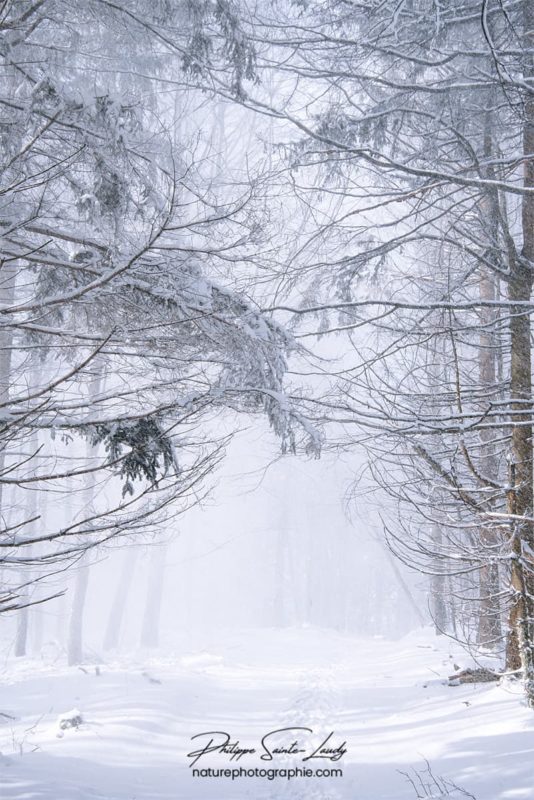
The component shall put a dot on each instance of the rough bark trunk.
(520, 651)
(489, 612)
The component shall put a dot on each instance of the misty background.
(277, 543)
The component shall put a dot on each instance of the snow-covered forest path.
(387, 700)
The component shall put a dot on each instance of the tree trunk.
(489, 612)
(404, 587)
(23, 615)
(520, 652)
(154, 597)
(21, 638)
(8, 279)
(75, 640)
(283, 588)
(39, 615)
(75, 637)
(437, 587)
(122, 591)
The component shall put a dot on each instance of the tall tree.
(117, 240)
(405, 97)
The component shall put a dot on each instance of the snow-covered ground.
(387, 700)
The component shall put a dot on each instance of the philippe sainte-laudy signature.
(299, 742)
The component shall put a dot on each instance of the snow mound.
(201, 660)
(70, 719)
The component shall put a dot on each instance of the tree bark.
(520, 652)
(489, 632)
(489, 612)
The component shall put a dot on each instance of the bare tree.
(421, 121)
(116, 245)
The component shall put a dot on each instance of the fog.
(277, 543)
